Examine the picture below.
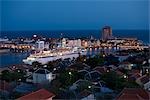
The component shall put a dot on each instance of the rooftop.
(101, 70)
(4, 85)
(133, 94)
(42, 71)
(41, 94)
(144, 79)
(85, 93)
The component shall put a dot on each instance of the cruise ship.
(44, 57)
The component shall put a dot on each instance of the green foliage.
(15, 95)
(68, 79)
(116, 82)
(50, 66)
(84, 86)
(81, 59)
(95, 61)
(112, 60)
(12, 76)
(36, 64)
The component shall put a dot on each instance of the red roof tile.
(41, 94)
(119, 73)
(4, 85)
(145, 79)
(125, 62)
(135, 71)
(133, 94)
(136, 75)
(85, 93)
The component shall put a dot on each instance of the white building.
(74, 43)
(64, 42)
(40, 45)
(79, 43)
(42, 75)
(84, 43)
(46, 45)
(98, 42)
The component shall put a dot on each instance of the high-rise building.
(106, 33)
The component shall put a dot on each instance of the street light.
(70, 77)
(70, 73)
(89, 87)
(125, 76)
(54, 69)
(19, 79)
(93, 93)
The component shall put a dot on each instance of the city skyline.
(72, 15)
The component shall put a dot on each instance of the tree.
(36, 64)
(6, 75)
(95, 61)
(15, 95)
(68, 78)
(112, 60)
(50, 65)
(116, 82)
(11, 76)
(81, 58)
(113, 81)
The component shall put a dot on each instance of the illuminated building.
(40, 45)
(106, 33)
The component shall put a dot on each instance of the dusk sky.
(19, 15)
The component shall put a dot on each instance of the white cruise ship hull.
(45, 60)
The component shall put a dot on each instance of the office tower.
(106, 33)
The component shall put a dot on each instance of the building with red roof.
(144, 81)
(4, 85)
(125, 65)
(41, 94)
(133, 94)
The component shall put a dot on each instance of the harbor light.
(14, 67)
(34, 35)
(61, 54)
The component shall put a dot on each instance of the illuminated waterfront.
(16, 58)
